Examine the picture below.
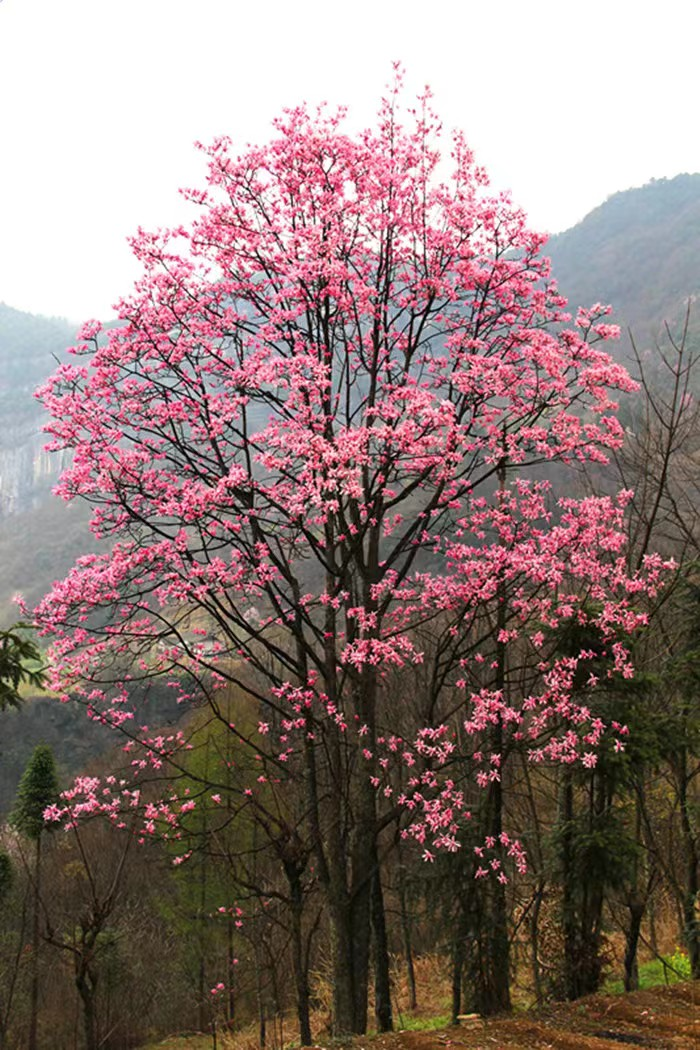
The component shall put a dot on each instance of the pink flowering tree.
(305, 441)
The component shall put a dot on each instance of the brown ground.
(664, 1018)
(659, 1019)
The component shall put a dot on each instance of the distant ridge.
(639, 251)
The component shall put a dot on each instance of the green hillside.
(639, 251)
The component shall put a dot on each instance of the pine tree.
(16, 653)
(38, 788)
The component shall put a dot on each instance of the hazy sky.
(100, 101)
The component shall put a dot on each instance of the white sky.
(100, 101)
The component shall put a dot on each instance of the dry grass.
(664, 1018)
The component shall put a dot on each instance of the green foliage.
(603, 851)
(218, 839)
(38, 788)
(17, 653)
(669, 969)
(424, 1024)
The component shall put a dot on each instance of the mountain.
(639, 251)
(39, 537)
(29, 347)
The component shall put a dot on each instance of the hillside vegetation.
(639, 251)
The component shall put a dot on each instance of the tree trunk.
(406, 935)
(350, 892)
(86, 989)
(350, 949)
(459, 955)
(691, 898)
(343, 1022)
(301, 977)
(360, 935)
(535, 941)
(571, 939)
(636, 910)
(382, 975)
(492, 985)
(350, 943)
(34, 985)
(231, 968)
(493, 980)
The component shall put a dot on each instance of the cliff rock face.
(29, 346)
(33, 533)
(27, 471)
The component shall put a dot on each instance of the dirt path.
(659, 1019)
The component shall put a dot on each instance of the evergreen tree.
(16, 652)
(37, 789)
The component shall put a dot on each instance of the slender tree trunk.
(364, 849)
(262, 1023)
(231, 968)
(361, 939)
(86, 989)
(691, 898)
(406, 935)
(636, 910)
(493, 978)
(493, 984)
(343, 977)
(201, 916)
(301, 977)
(350, 909)
(34, 985)
(535, 941)
(230, 953)
(350, 917)
(571, 939)
(492, 991)
(459, 955)
(636, 905)
(382, 974)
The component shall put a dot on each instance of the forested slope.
(639, 251)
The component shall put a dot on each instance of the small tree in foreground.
(305, 442)
(38, 789)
